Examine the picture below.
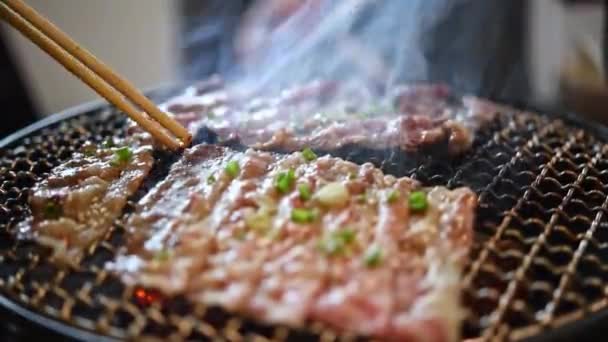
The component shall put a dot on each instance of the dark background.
(17, 109)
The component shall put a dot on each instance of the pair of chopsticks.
(94, 73)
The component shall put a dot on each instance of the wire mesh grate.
(540, 257)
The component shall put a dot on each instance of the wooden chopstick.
(93, 72)
(85, 57)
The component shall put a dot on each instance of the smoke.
(365, 40)
(474, 45)
(207, 33)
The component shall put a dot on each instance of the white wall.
(554, 31)
(135, 37)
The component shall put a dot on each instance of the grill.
(540, 259)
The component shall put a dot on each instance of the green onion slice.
(232, 168)
(285, 181)
(372, 257)
(300, 215)
(308, 154)
(418, 201)
(305, 192)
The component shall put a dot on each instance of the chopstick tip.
(186, 141)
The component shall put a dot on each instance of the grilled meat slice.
(298, 238)
(327, 115)
(78, 202)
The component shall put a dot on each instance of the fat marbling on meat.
(298, 238)
(80, 199)
(326, 115)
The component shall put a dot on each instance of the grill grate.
(540, 258)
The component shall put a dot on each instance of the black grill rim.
(26, 323)
(32, 324)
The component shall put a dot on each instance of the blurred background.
(547, 53)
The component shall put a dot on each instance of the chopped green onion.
(259, 221)
(233, 169)
(109, 143)
(211, 179)
(392, 197)
(285, 181)
(122, 155)
(373, 257)
(291, 175)
(352, 176)
(333, 194)
(308, 154)
(162, 255)
(299, 215)
(304, 190)
(52, 210)
(418, 201)
(337, 242)
(346, 235)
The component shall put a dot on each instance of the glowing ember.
(146, 297)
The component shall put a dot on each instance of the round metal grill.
(540, 258)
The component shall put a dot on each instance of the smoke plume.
(474, 45)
